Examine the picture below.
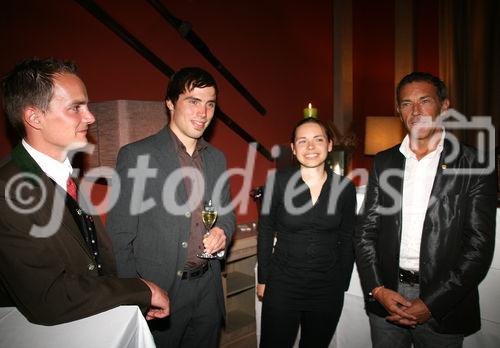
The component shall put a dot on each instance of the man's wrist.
(376, 290)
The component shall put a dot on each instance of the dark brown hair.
(187, 79)
(31, 83)
(327, 130)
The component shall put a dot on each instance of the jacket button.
(184, 245)
(188, 215)
(179, 273)
(91, 266)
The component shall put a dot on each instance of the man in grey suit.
(156, 225)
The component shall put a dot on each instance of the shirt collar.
(201, 143)
(404, 148)
(57, 171)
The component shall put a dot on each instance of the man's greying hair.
(187, 79)
(423, 77)
(31, 83)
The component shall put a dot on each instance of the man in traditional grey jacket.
(56, 262)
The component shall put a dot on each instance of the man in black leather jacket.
(426, 235)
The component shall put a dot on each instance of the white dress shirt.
(57, 171)
(417, 186)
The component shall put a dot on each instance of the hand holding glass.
(208, 215)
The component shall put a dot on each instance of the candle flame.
(310, 106)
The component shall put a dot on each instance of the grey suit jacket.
(151, 242)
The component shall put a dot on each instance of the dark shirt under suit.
(195, 243)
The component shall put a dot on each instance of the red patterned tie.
(71, 187)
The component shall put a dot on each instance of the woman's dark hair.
(325, 128)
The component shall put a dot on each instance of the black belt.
(409, 277)
(195, 273)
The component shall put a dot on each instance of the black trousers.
(280, 326)
(195, 318)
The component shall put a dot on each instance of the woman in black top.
(311, 213)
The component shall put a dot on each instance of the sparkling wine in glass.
(208, 215)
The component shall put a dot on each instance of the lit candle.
(310, 111)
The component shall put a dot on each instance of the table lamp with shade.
(382, 133)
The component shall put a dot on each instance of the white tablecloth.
(121, 327)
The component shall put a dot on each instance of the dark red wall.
(373, 67)
(373, 59)
(426, 36)
(281, 51)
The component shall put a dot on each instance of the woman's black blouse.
(313, 257)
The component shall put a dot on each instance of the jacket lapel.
(208, 169)
(439, 186)
(398, 163)
(168, 161)
(27, 164)
(68, 221)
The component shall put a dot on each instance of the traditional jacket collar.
(26, 163)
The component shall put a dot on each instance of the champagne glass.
(208, 215)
